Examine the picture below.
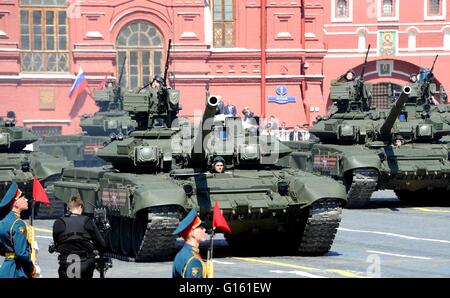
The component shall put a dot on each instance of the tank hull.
(409, 168)
(145, 209)
(23, 167)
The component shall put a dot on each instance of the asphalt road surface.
(387, 240)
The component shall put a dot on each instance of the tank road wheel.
(125, 235)
(137, 234)
(158, 243)
(113, 239)
(360, 185)
(321, 226)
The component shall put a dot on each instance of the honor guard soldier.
(14, 245)
(76, 237)
(188, 263)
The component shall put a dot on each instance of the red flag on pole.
(219, 221)
(39, 193)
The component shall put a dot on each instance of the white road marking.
(397, 255)
(222, 262)
(395, 235)
(297, 272)
(46, 237)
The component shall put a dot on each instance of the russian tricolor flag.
(79, 85)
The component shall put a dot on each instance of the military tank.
(424, 125)
(355, 145)
(109, 122)
(162, 170)
(22, 166)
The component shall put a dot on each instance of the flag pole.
(211, 245)
(32, 212)
(209, 262)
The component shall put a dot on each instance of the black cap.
(159, 79)
(218, 159)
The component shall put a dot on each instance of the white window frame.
(412, 40)
(446, 41)
(335, 19)
(396, 10)
(391, 64)
(362, 40)
(427, 17)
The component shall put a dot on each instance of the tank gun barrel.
(206, 126)
(118, 89)
(396, 109)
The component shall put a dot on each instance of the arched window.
(142, 45)
(388, 8)
(342, 8)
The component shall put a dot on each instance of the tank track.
(363, 185)
(321, 227)
(158, 243)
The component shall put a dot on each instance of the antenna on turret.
(166, 67)
(118, 89)
(365, 64)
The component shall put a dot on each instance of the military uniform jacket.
(188, 263)
(13, 243)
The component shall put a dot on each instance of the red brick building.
(216, 44)
(404, 35)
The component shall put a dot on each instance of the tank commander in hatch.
(218, 165)
(350, 75)
(398, 141)
(157, 82)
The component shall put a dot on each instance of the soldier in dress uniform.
(14, 245)
(188, 263)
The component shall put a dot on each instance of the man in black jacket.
(76, 237)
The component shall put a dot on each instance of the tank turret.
(21, 164)
(14, 138)
(351, 93)
(111, 119)
(394, 113)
